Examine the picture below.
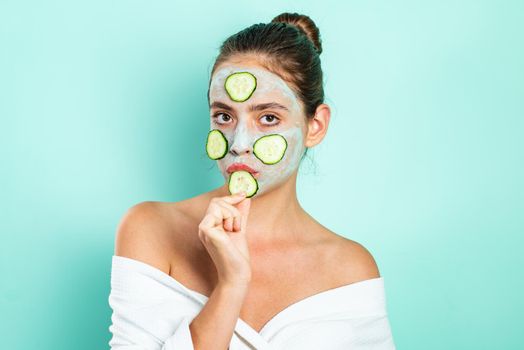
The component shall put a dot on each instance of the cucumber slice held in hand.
(242, 180)
(240, 86)
(270, 149)
(216, 145)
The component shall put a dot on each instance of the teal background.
(103, 105)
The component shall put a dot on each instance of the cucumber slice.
(240, 86)
(216, 144)
(242, 180)
(270, 149)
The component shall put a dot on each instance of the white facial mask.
(242, 136)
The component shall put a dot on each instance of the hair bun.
(304, 24)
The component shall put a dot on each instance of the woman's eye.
(220, 120)
(271, 119)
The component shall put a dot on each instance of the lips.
(240, 166)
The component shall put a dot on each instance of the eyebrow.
(252, 108)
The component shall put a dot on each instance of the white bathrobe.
(152, 310)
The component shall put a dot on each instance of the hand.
(222, 231)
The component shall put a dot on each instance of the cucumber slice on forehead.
(242, 180)
(270, 149)
(216, 145)
(240, 86)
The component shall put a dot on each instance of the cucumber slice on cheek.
(216, 145)
(242, 180)
(240, 86)
(270, 149)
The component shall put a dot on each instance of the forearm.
(212, 328)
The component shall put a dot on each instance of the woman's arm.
(213, 327)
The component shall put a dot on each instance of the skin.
(275, 213)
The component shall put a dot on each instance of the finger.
(234, 198)
(234, 220)
(228, 224)
(209, 221)
(227, 213)
(214, 218)
(221, 211)
(240, 210)
(215, 233)
(243, 207)
(232, 208)
(241, 219)
(237, 223)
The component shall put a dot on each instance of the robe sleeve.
(145, 314)
(135, 328)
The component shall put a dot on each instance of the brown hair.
(288, 46)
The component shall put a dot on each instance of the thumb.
(244, 207)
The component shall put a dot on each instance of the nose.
(241, 145)
(242, 141)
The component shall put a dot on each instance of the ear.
(318, 125)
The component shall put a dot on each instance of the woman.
(252, 269)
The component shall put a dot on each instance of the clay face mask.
(273, 158)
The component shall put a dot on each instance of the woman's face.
(273, 108)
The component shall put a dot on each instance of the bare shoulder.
(353, 261)
(144, 234)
